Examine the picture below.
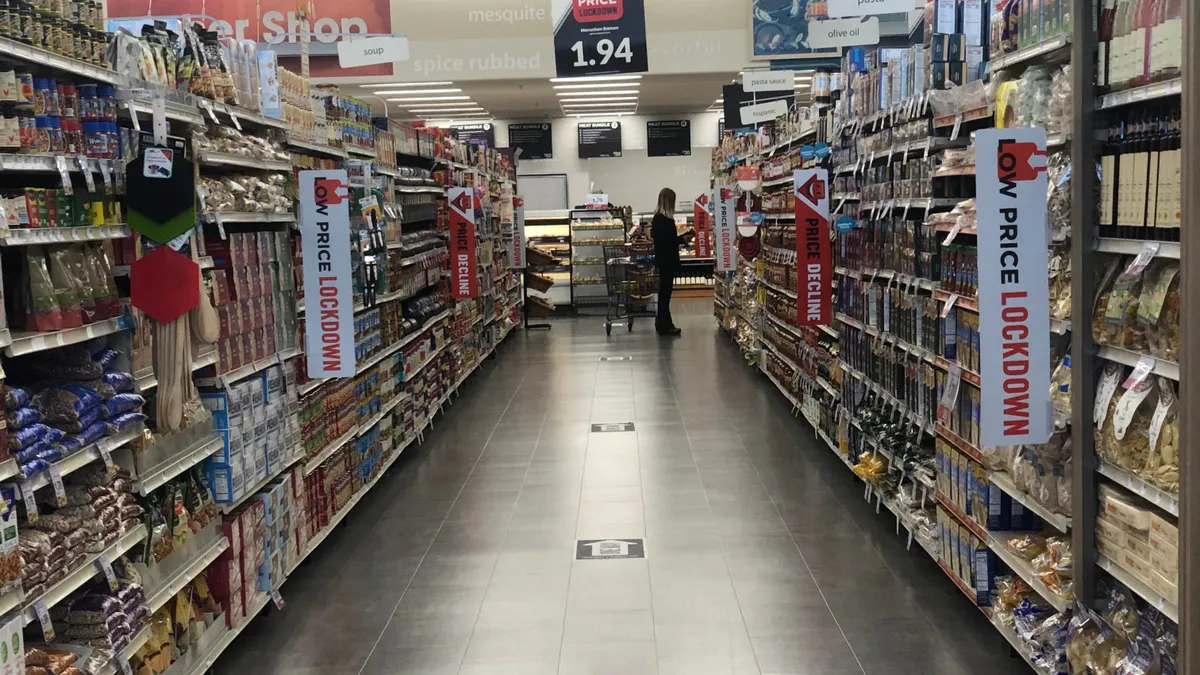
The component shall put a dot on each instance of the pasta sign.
(1014, 292)
(463, 282)
(813, 255)
(328, 290)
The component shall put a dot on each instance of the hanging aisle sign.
(599, 37)
(464, 283)
(726, 229)
(814, 256)
(372, 50)
(518, 240)
(324, 206)
(843, 32)
(703, 231)
(1013, 287)
(840, 8)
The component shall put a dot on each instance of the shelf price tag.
(43, 615)
(958, 120)
(208, 107)
(106, 175)
(949, 305)
(277, 599)
(106, 456)
(60, 492)
(106, 568)
(64, 173)
(133, 116)
(928, 146)
(123, 665)
(87, 173)
(953, 232)
(949, 395)
(1141, 371)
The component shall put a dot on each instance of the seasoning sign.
(814, 256)
(519, 241)
(726, 231)
(328, 284)
(463, 281)
(1013, 289)
(703, 230)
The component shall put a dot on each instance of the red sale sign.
(703, 230)
(814, 256)
(464, 283)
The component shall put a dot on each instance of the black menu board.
(485, 131)
(668, 138)
(599, 139)
(536, 140)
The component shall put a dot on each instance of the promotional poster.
(324, 208)
(599, 37)
(463, 281)
(814, 254)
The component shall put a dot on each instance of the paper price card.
(43, 615)
(105, 454)
(277, 599)
(64, 173)
(60, 492)
(123, 665)
(27, 496)
(106, 568)
(949, 395)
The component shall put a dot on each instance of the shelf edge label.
(328, 285)
(1013, 289)
(813, 248)
(464, 282)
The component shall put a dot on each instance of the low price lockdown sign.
(328, 284)
(726, 231)
(464, 283)
(517, 260)
(1014, 326)
(814, 257)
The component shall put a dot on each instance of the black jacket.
(666, 243)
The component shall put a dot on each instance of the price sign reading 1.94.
(599, 37)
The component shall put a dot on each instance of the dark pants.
(666, 285)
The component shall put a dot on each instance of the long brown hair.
(666, 203)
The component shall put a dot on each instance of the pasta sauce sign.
(328, 289)
(814, 259)
(463, 281)
(1014, 325)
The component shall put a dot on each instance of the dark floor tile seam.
(383, 631)
(724, 554)
(745, 375)
(806, 441)
(474, 626)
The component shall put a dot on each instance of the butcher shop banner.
(703, 230)
(726, 230)
(518, 240)
(1014, 326)
(328, 283)
(814, 257)
(464, 283)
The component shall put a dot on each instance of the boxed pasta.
(1123, 509)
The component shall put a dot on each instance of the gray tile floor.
(761, 556)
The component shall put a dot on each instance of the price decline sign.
(1013, 289)
(464, 283)
(599, 37)
(814, 255)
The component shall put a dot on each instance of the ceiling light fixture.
(596, 99)
(445, 111)
(599, 85)
(409, 92)
(593, 92)
(456, 104)
(595, 78)
(602, 114)
(599, 105)
(423, 99)
(406, 84)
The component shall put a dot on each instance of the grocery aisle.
(760, 554)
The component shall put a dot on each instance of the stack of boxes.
(276, 506)
(255, 296)
(254, 417)
(958, 31)
(1140, 540)
(233, 577)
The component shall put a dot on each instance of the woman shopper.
(667, 241)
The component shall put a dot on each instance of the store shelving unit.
(589, 235)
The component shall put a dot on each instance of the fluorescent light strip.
(599, 85)
(407, 84)
(596, 99)
(569, 108)
(441, 106)
(423, 99)
(601, 92)
(601, 114)
(446, 111)
(595, 78)
(408, 92)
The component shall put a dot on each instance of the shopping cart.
(632, 282)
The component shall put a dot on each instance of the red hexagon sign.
(164, 284)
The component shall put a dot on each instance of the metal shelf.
(1161, 498)
(174, 572)
(1166, 249)
(1149, 92)
(1153, 597)
(155, 477)
(1167, 369)
(60, 235)
(248, 217)
(41, 57)
(1047, 51)
(311, 465)
(224, 160)
(28, 343)
(83, 573)
(1056, 520)
(1023, 569)
(317, 148)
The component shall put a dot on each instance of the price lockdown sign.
(464, 282)
(726, 229)
(328, 281)
(1013, 288)
(703, 230)
(814, 257)
(599, 37)
(517, 259)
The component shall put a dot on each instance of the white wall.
(633, 178)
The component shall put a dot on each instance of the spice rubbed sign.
(463, 282)
(325, 227)
(1014, 324)
(813, 255)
